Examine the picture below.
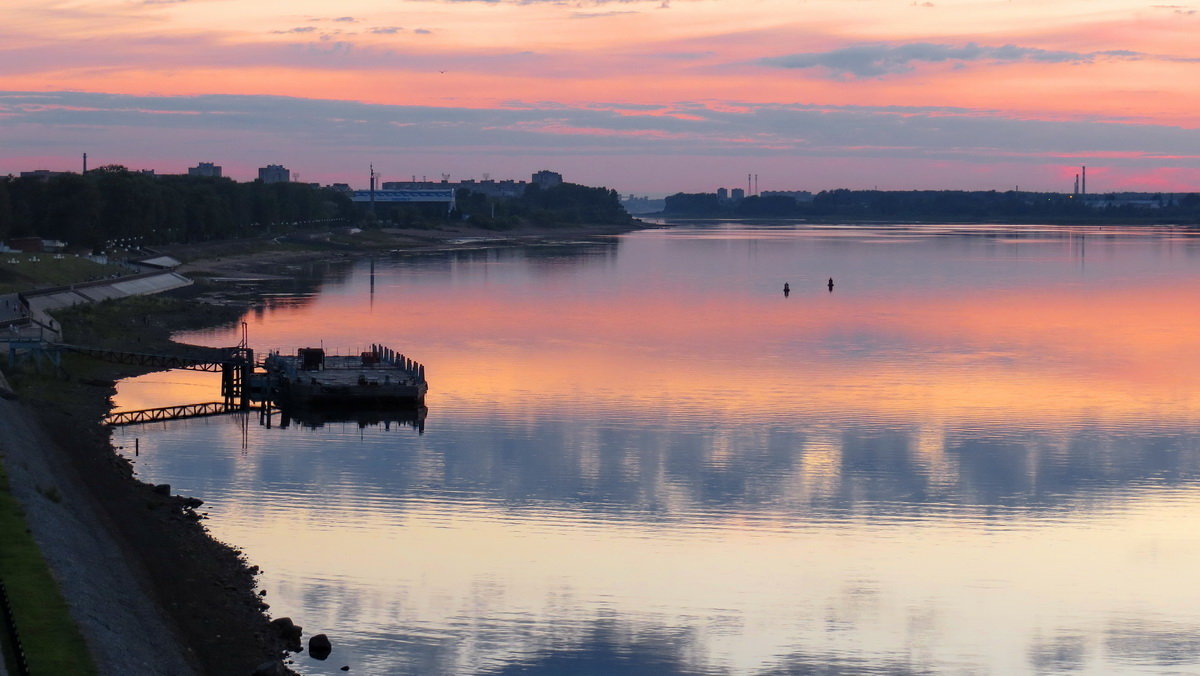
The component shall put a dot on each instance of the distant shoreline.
(242, 257)
(1071, 222)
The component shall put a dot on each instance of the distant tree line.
(112, 203)
(943, 205)
(566, 204)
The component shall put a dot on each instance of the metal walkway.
(214, 364)
(173, 413)
(235, 364)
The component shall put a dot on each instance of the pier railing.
(393, 358)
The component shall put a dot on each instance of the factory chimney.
(85, 163)
(372, 188)
(1084, 184)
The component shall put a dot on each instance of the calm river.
(979, 453)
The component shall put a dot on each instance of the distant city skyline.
(506, 186)
(654, 96)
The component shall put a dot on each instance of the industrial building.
(43, 174)
(274, 173)
(209, 170)
(547, 179)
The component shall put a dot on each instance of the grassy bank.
(142, 323)
(25, 272)
(52, 642)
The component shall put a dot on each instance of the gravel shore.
(151, 591)
(109, 598)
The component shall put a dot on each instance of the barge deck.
(377, 377)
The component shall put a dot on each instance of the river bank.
(154, 593)
(244, 260)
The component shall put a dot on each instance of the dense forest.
(567, 204)
(946, 205)
(111, 203)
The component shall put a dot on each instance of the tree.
(6, 213)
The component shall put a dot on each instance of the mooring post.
(247, 371)
(226, 382)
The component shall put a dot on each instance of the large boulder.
(319, 647)
(289, 632)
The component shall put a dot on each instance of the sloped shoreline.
(152, 591)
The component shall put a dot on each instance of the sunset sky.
(642, 96)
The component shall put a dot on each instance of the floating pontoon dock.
(379, 376)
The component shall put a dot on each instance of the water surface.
(979, 453)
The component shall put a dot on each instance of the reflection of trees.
(291, 287)
(297, 287)
(433, 268)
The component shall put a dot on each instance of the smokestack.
(1076, 193)
(756, 184)
(749, 185)
(85, 163)
(1084, 183)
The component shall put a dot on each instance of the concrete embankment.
(196, 584)
(115, 610)
(121, 287)
(26, 315)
